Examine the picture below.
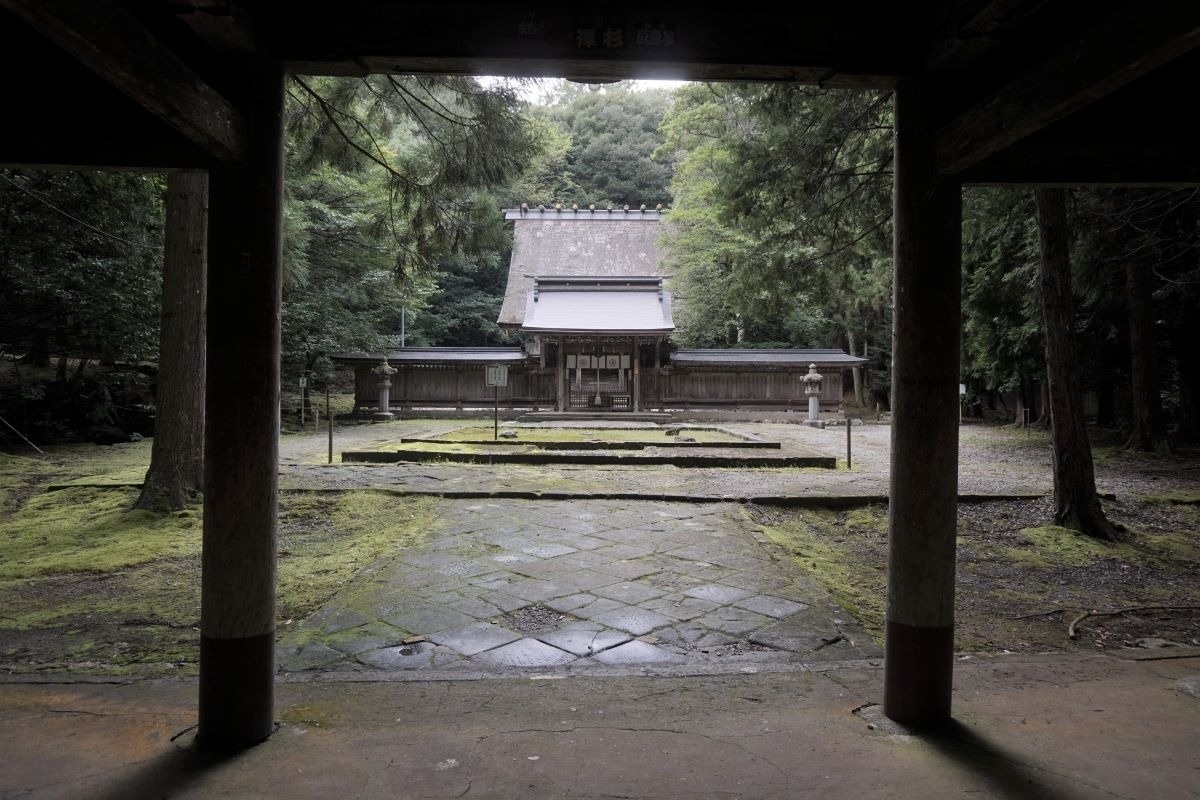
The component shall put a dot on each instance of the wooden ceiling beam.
(1128, 44)
(969, 30)
(103, 36)
(1148, 165)
(222, 25)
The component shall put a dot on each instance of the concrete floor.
(1025, 727)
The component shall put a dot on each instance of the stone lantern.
(385, 371)
(812, 390)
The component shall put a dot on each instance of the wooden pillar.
(458, 390)
(658, 373)
(923, 507)
(560, 375)
(241, 448)
(636, 363)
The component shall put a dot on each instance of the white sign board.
(303, 383)
(497, 375)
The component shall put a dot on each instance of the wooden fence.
(451, 386)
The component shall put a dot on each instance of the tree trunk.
(1076, 503)
(1149, 432)
(176, 473)
(856, 372)
(1022, 402)
(1044, 415)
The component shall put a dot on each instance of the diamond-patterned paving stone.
(600, 606)
(585, 643)
(718, 593)
(733, 620)
(564, 605)
(513, 558)
(637, 652)
(424, 619)
(502, 601)
(621, 551)
(405, 656)
(534, 590)
(476, 608)
(776, 607)
(629, 570)
(525, 653)
(366, 637)
(634, 620)
(462, 569)
(548, 550)
(309, 656)
(629, 593)
(683, 610)
(793, 635)
(475, 638)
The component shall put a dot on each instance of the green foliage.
(613, 134)
(80, 264)
(781, 217)
(390, 206)
(1002, 319)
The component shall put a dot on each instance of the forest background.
(780, 236)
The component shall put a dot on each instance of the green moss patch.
(324, 541)
(91, 530)
(816, 542)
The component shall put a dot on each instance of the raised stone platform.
(607, 416)
(635, 458)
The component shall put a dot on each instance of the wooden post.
(636, 364)
(923, 507)
(560, 375)
(237, 616)
(658, 373)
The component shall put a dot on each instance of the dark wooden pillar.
(560, 362)
(658, 373)
(636, 364)
(241, 449)
(918, 669)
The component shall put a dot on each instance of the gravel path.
(992, 462)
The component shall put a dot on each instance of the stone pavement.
(607, 586)
(592, 585)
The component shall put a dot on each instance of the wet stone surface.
(510, 585)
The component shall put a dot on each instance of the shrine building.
(587, 293)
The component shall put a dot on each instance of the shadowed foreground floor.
(1026, 727)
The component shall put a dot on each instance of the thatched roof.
(566, 242)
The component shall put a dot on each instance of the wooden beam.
(1036, 164)
(223, 25)
(103, 36)
(1126, 45)
(862, 46)
(969, 30)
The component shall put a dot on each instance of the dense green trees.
(391, 205)
(80, 255)
(612, 134)
(781, 231)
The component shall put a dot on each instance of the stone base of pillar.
(382, 416)
(815, 423)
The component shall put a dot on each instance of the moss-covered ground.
(89, 585)
(1020, 582)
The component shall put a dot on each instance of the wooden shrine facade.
(453, 377)
(984, 91)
